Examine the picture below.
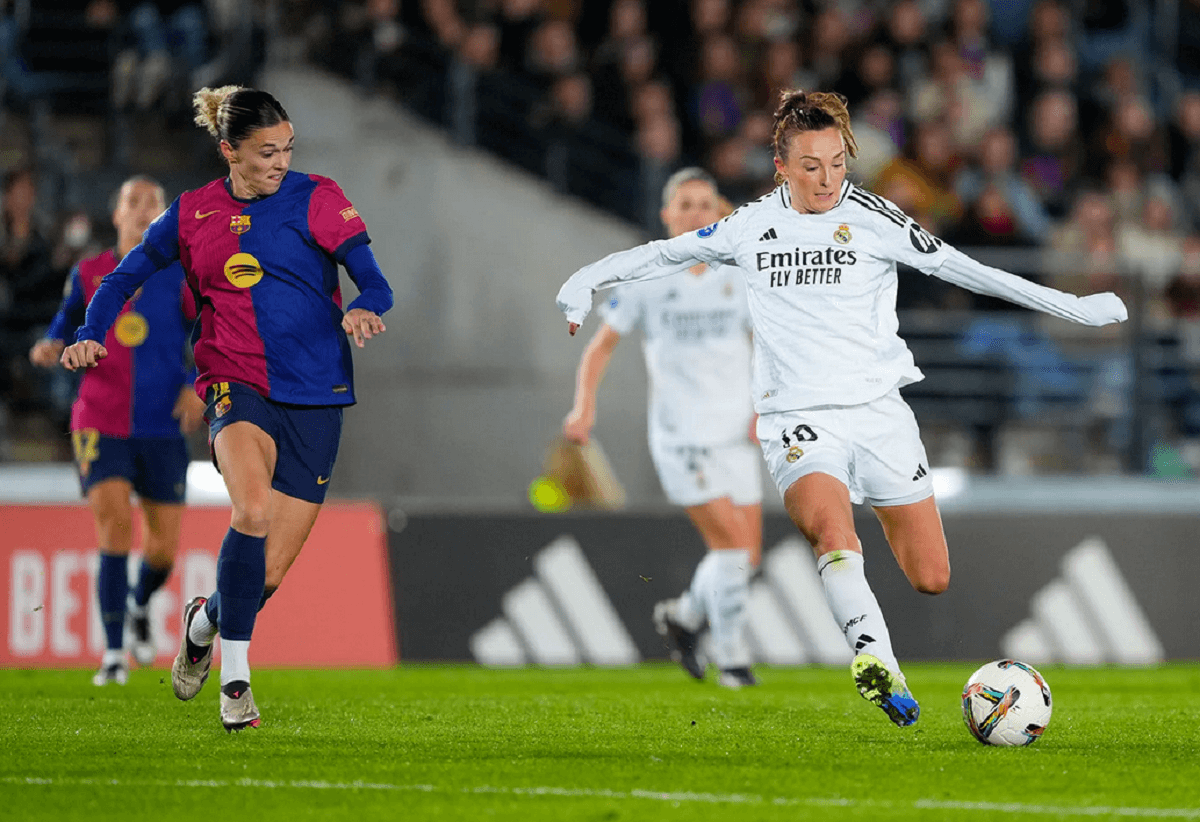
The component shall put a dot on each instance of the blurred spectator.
(1187, 54)
(29, 288)
(780, 68)
(1184, 136)
(166, 39)
(375, 38)
(928, 172)
(552, 52)
(614, 84)
(480, 47)
(950, 95)
(989, 70)
(568, 106)
(445, 22)
(27, 280)
(517, 20)
(75, 242)
(873, 70)
(1055, 157)
(1183, 292)
(1109, 28)
(879, 130)
(728, 162)
(906, 36)
(1013, 213)
(658, 141)
(829, 40)
(1152, 248)
(627, 22)
(1132, 134)
(719, 99)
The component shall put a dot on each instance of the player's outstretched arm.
(577, 427)
(658, 258)
(157, 250)
(1094, 309)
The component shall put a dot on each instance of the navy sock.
(212, 608)
(241, 576)
(150, 579)
(112, 583)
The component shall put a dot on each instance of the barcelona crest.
(221, 408)
(239, 223)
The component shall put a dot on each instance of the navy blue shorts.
(155, 466)
(306, 436)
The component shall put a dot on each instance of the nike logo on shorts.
(322, 480)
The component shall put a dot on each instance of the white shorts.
(875, 449)
(693, 475)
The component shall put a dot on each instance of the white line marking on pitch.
(604, 793)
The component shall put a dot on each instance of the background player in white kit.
(697, 346)
(819, 255)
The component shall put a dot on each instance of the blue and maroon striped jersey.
(133, 391)
(265, 273)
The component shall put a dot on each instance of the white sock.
(691, 609)
(202, 632)
(854, 606)
(133, 608)
(235, 660)
(726, 591)
(112, 656)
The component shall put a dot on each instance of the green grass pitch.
(460, 742)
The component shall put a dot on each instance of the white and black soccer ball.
(1006, 703)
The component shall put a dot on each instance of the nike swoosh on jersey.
(200, 216)
(322, 480)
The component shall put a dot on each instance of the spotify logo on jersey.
(243, 270)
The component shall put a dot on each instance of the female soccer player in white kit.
(819, 256)
(697, 346)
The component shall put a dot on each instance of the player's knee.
(116, 530)
(830, 539)
(252, 516)
(932, 581)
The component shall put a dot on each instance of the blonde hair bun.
(207, 104)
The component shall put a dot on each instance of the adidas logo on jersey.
(920, 472)
(770, 235)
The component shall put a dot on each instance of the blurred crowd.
(1063, 125)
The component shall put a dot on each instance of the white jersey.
(822, 292)
(697, 347)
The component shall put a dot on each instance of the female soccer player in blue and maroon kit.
(128, 425)
(261, 249)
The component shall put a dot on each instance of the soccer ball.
(1006, 703)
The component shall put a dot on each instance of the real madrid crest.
(239, 223)
(842, 235)
(794, 453)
